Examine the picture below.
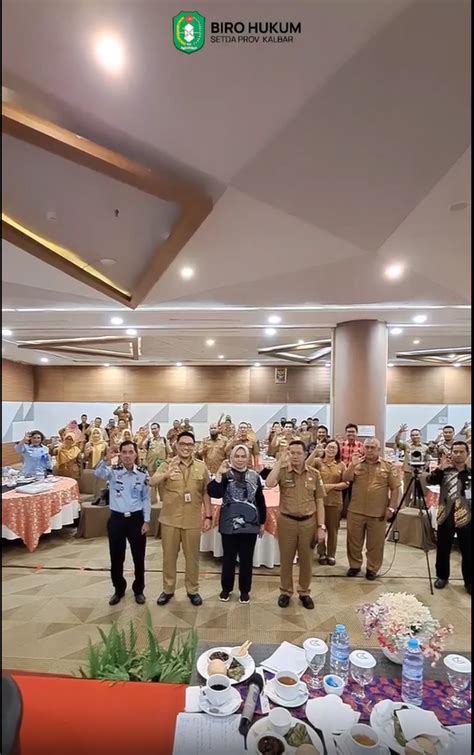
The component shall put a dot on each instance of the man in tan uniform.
(414, 444)
(282, 441)
(226, 428)
(182, 483)
(123, 412)
(301, 509)
(212, 449)
(242, 438)
(374, 499)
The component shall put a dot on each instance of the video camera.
(417, 459)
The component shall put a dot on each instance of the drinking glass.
(362, 665)
(316, 652)
(458, 671)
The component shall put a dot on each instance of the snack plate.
(248, 664)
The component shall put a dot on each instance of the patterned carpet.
(55, 598)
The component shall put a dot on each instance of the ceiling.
(327, 160)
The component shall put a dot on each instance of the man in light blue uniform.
(129, 501)
(35, 454)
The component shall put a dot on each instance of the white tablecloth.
(69, 512)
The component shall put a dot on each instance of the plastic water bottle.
(339, 653)
(412, 673)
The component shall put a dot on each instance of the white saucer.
(262, 726)
(343, 746)
(230, 707)
(296, 702)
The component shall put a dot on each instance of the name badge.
(188, 498)
(467, 494)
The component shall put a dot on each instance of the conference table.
(267, 552)
(27, 517)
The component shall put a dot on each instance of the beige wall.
(18, 381)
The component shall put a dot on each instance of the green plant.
(116, 658)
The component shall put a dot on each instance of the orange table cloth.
(28, 516)
(88, 717)
(272, 500)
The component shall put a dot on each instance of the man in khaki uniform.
(212, 449)
(414, 444)
(374, 499)
(242, 438)
(182, 483)
(282, 441)
(123, 412)
(226, 428)
(301, 514)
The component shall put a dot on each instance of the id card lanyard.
(187, 495)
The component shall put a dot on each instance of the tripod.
(420, 504)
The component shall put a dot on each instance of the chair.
(12, 713)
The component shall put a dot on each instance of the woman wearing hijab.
(35, 454)
(242, 516)
(95, 448)
(331, 469)
(72, 428)
(69, 458)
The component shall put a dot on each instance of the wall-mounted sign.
(281, 374)
(367, 431)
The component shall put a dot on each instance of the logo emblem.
(188, 31)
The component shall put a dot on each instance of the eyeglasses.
(185, 445)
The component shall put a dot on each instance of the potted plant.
(396, 617)
(118, 658)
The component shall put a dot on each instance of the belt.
(298, 518)
(127, 514)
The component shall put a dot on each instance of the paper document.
(199, 734)
(285, 658)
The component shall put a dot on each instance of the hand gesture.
(445, 462)
(110, 453)
(224, 467)
(403, 428)
(284, 457)
(357, 459)
(173, 470)
(145, 528)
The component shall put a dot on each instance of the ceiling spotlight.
(107, 261)
(257, 364)
(395, 271)
(131, 332)
(452, 356)
(458, 206)
(210, 342)
(221, 356)
(270, 331)
(116, 321)
(179, 364)
(187, 273)
(420, 318)
(416, 341)
(274, 319)
(327, 364)
(109, 53)
(390, 364)
(44, 359)
(106, 364)
(6, 332)
(396, 331)
(456, 364)
(300, 341)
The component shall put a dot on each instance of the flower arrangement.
(395, 617)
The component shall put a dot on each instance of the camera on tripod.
(417, 459)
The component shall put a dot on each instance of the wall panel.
(18, 381)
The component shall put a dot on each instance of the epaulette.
(117, 466)
(142, 469)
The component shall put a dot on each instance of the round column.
(359, 376)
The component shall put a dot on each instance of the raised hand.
(284, 457)
(357, 459)
(403, 428)
(445, 461)
(174, 472)
(224, 467)
(111, 452)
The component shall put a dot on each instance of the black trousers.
(120, 529)
(445, 537)
(242, 546)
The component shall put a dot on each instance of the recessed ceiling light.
(106, 364)
(458, 206)
(179, 364)
(44, 359)
(274, 319)
(221, 356)
(187, 273)
(456, 364)
(109, 53)
(116, 321)
(390, 364)
(6, 332)
(270, 331)
(107, 261)
(396, 331)
(300, 341)
(420, 318)
(452, 356)
(416, 341)
(394, 271)
(257, 364)
(131, 332)
(327, 364)
(210, 342)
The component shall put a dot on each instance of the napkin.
(331, 713)
(286, 657)
(415, 722)
(191, 704)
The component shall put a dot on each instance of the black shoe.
(164, 598)
(352, 572)
(284, 601)
(440, 583)
(195, 599)
(468, 589)
(116, 598)
(244, 597)
(370, 575)
(307, 601)
(140, 599)
(224, 596)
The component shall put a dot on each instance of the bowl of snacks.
(271, 744)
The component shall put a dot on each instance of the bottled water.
(340, 650)
(412, 673)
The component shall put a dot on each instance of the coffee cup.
(218, 689)
(280, 720)
(363, 740)
(288, 685)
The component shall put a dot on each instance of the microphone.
(248, 712)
